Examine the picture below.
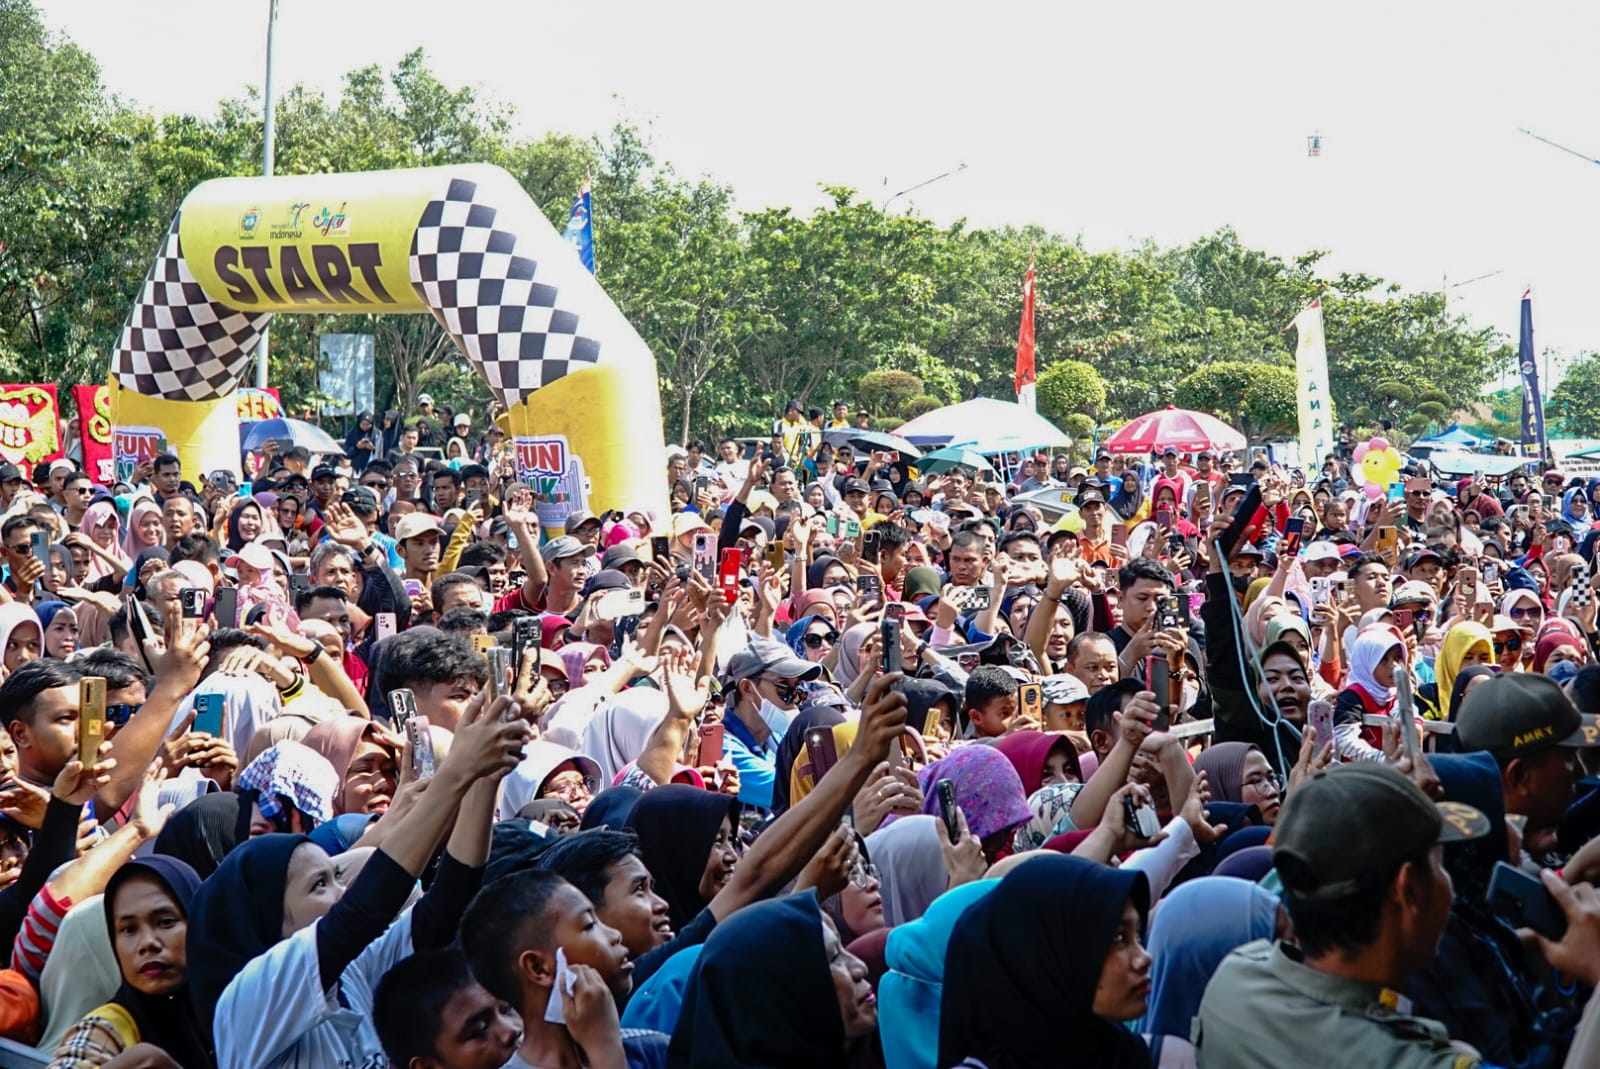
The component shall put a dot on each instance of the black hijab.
(761, 996)
(818, 568)
(168, 1022)
(237, 916)
(676, 825)
(611, 808)
(1458, 691)
(202, 832)
(1022, 968)
(358, 456)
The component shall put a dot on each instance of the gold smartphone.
(91, 719)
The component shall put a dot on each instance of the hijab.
(792, 749)
(1580, 524)
(611, 808)
(168, 1022)
(1029, 750)
(338, 740)
(13, 614)
(94, 517)
(909, 993)
(910, 864)
(987, 787)
(1052, 816)
(1014, 993)
(1223, 763)
(132, 546)
(237, 916)
(236, 540)
(616, 734)
(849, 662)
(796, 635)
(1197, 925)
(920, 582)
(80, 973)
(921, 696)
(203, 832)
(1251, 863)
(819, 568)
(135, 576)
(1464, 678)
(1548, 643)
(575, 656)
(1370, 648)
(804, 602)
(676, 825)
(761, 996)
(1459, 641)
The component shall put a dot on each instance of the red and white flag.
(1025, 375)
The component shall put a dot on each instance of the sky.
(1115, 122)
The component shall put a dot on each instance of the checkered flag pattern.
(500, 305)
(180, 344)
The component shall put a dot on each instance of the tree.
(920, 405)
(887, 392)
(1258, 398)
(1067, 387)
(1576, 401)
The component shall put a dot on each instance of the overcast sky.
(1118, 122)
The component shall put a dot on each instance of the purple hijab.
(988, 789)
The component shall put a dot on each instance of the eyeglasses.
(863, 875)
(785, 689)
(1513, 644)
(1418, 493)
(815, 641)
(1265, 783)
(1519, 612)
(81, 489)
(377, 484)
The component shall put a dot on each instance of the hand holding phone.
(91, 719)
(948, 809)
(1524, 902)
(710, 751)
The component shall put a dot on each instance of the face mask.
(1241, 583)
(775, 717)
(1191, 691)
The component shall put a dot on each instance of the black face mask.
(1241, 583)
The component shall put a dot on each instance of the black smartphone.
(1523, 901)
(660, 548)
(298, 584)
(621, 631)
(1241, 478)
(527, 632)
(192, 599)
(1167, 614)
(869, 546)
(225, 606)
(869, 584)
(947, 808)
(1158, 676)
(890, 654)
(1141, 820)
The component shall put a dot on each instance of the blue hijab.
(909, 993)
(1196, 926)
(796, 635)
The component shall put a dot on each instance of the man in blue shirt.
(762, 683)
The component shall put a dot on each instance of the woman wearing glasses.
(1239, 772)
(812, 638)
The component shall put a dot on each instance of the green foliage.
(1258, 398)
(1576, 402)
(1067, 387)
(743, 310)
(1080, 428)
(887, 391)
(920, 405)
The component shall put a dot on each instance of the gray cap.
(767, 655)
(561, 548)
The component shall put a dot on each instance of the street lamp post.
(269, 136)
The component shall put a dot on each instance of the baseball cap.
(1413, 591)
(424, 399)
(1064, 690)
(856, 486)
(620, 554)
(686, 522)
(1420, 556)
(254, 554)
(578, 517)
(361, 499)
(324, 471)
(413, 524)
(1247, 549)
(462, 419)
(1520, 713)
(767, 655)
(1325, 846)
(1319, 551)
(606, 579)
(1090, 497)
(760, 523)
(10, 473)
(561, 548)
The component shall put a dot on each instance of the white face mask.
(776, 718)
(1191, 694)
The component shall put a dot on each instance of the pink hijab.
(131, 546)
(576, 655)
(95, 517)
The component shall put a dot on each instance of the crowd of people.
(837, 763)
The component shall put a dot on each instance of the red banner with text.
(94, 431)
(30, 426)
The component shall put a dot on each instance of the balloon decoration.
(1377, 465)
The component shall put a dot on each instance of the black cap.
(618, 555)
(606, 579)
(361, 499)
(1521, 713)
(1247, 549)
(856, 486)
(324, 471)
(1090, 497)
(1349, 827)
(10, 473)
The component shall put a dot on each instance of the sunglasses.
(816, 641)
(1513, 644)
(122, 712)
(1519, 612)
(785, 689)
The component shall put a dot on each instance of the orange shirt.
(1094, 552)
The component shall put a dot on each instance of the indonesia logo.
(248, 222)
(1527, 367)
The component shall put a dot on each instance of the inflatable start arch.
(464, 244)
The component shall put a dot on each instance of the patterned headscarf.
(292, 772)
(1051, 806)
(988, 790)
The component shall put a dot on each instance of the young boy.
(511, 935)
(431, 1014)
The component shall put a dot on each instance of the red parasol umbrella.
(1174, 428)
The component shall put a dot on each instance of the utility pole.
(269, 136)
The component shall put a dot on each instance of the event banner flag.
(579, 232)
(29, 426)
(1314, 402)
(94, 431)
(1533, 438)
(1025, 375)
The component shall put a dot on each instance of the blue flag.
(1532, 400)
(580, 229)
